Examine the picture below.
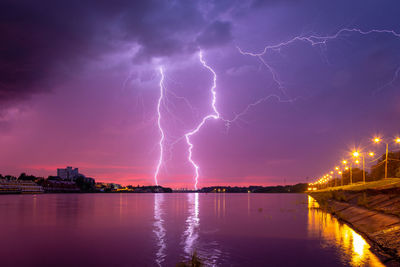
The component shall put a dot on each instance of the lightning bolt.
(391, 82)
(237, 116)
(313, 40)
(215, 115)
(316, 40)
(162, 135)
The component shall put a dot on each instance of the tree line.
(377, 171)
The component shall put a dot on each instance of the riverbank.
(39, 186)
(372, 209)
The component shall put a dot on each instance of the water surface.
(164, 229)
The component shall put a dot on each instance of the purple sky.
(79, 86)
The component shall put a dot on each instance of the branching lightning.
(317, 40)
(215, 115)
(313, 40)
(391, 82)
(228, 122)
(166, 143)
(161, 142)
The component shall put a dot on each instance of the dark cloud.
(217, 33)
(38, 39)
(261, 3)
(42, 41)
(163, 29)
(45, 41)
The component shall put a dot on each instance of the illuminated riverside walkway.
(323, 224)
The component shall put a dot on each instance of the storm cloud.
(79, 84)
(47, 40)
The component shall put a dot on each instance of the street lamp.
(357, 154)
(378, 140)
(334, 178)
(354, 154)
(344, 162)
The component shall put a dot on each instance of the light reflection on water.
(159, 229)
(334, 233)
(191, 233)
(208, 250)
(164, 229)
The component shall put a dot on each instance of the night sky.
(79, 84)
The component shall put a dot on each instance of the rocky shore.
(372, 211)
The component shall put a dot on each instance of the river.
(164, 229)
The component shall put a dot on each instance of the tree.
(86, 185)
(378, 170)
(357, 176)
(9, 177)
(25, 177)
(54, 178)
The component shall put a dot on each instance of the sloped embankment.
(372, 212)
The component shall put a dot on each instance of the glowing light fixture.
(376, 140)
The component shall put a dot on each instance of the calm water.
(163, 229)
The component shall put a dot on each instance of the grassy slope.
(381, 184)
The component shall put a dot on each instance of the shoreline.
(374, 213)
(125, 192)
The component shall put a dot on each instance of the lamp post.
(363, 168)
(356, 155)
(334, 180)
(344, 162)
(378, 140)
(337, 169)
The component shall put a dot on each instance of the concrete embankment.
(374, 211)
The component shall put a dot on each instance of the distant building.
(89, 180)
(54, 186)
(84, 183)
(68, 173)
(15, 186)
(100, 187)
(116, 186)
